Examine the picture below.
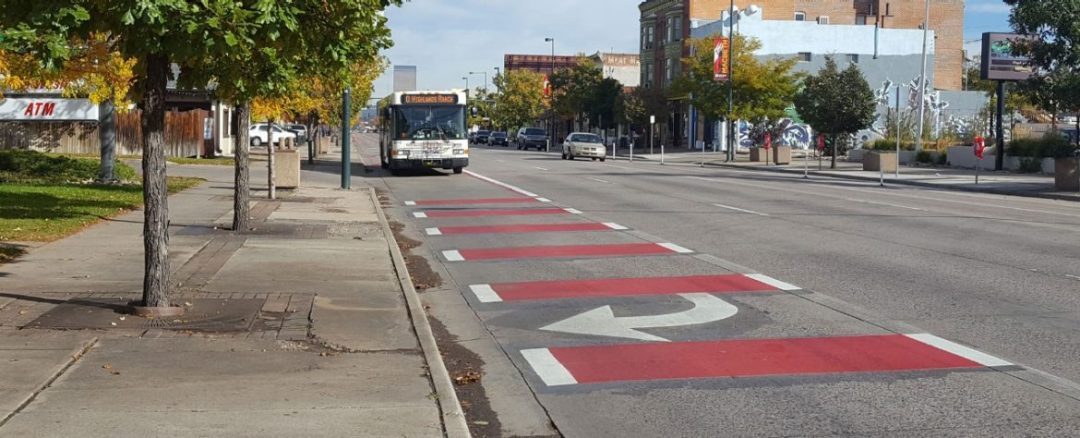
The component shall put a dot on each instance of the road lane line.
(543, 200)
(433, 231)
(616, 226)
(432, 202)
(676, 248)
(545, 365)
(501, 184)
(959, 350)
(410, 203)
(572, 210)
(525, 228)
(541, 168)
(420, 215)
(564, 251)
(773, 282)
(598, 180)
(453, 256)
(741, 210)
(485, 293)
(863, 201)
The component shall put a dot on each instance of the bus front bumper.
(429, 163)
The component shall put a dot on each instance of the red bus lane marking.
(496, 212)
(621, 287)
(752, 357)
(524, 228)
(531, 252)
(519, 200)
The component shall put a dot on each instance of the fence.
(184, 135)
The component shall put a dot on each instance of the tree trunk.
(155, 192)
(107, 137)
(242, 188)
(270, 161)
(835, 152)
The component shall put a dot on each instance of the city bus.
(424, 129)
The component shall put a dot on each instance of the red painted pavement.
(520, 200)
(525, 228)
(506, 212)
(754, 357)
(546, 290)
(526, 252)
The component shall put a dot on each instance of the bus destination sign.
(429, 99)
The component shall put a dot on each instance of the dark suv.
(531, 138)
(498, 138)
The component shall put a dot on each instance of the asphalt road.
(811, 343)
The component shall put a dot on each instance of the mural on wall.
(795, 135)
(935, 107)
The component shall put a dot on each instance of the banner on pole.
(980, 146)
(721, 51)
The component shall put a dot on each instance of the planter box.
(1067, 174)
(287, 168)
(323, 145)
(879, 161)
(757, 155)
(856, 155)
(781, 155)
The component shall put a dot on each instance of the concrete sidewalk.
(306, 325)
(1004, 183)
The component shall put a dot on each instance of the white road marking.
(676, 248)
(453, 256)
(419, 215)
(959, 350)
(615, 226)
(541, 168)
(598, 180)
(1074, 277)
(601, 321)
(772, 282)
(741, 210)
(572, 210)
(410, 202)
(543, 200)
(501, 184)
(863, 201)
(485, 293)
(548, 367)
(433, 231)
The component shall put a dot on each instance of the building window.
(853, 58)
(860, 19)
(677, 33)
(649, 74)
(670, 29)
(824, 19)
(800, 16)
(805, 57)
(669, 71)
(647, 35)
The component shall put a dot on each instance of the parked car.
(258, 134)
(498, 138)
(531, 138)
(481, 137)
(583, 144)
(298, 129)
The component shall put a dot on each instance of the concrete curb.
(992, 191)
(454, 424)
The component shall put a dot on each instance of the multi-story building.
(666, 23)
(538, 63)
(623, 67)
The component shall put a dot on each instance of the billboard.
(48, 109)
(1000, 60)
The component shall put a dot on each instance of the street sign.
(1001, 60)
(768, 141)
(48, 109)
(652, 119)
(721, 51)
(980, 146)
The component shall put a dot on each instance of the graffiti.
(792, 134)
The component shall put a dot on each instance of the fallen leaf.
(107, 366)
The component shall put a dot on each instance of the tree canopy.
(520, 98)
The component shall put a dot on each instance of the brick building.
(537, 63)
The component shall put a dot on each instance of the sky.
(447, 39)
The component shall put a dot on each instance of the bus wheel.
(458, 170)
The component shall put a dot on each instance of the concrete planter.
(879, 161)
(781, 155)
(287, 169)
(1067, 174)
(856, 155)
(757, 155)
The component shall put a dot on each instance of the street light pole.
(551, 131)
(922, 80)
(730, 79)
(346, 140)
(466, 78)
(485, 77)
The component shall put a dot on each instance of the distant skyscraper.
(404, 78)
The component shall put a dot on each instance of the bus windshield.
(429, 122)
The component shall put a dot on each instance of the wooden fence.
(183, 135)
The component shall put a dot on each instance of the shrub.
(924, 157)
(1030, 165)
(884, 144)
(19, 165)
(943, 158)
(1051, 145)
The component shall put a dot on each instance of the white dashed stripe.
(453, 256)
(410, 203)
(502, 184)
(419, 214)
(676, 248)
(543, 200)
(615, 226)
(485, 293)
(572, 210)
(773, 282)
(959, 350)
(548, 367)
(433, 231)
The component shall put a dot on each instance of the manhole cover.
(204, 314)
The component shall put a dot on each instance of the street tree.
(247, 48)
(1053, 44)
(836, 102)
(761, 89)
(519, 99)
(574, 89)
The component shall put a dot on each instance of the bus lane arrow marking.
(601, 321)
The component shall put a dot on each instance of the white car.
(584, 144)
(258, 134)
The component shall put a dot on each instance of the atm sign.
(429, 99)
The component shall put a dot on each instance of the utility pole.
(731, 76)
(922, 83)
(346, 141)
